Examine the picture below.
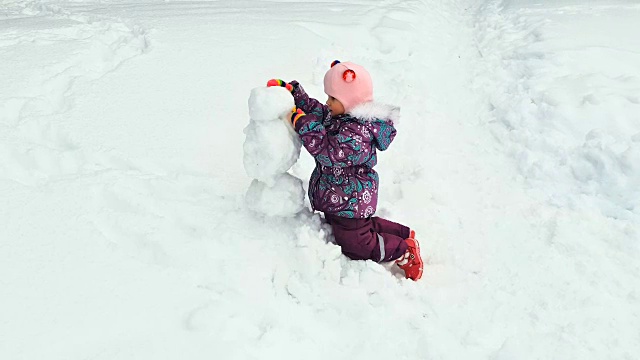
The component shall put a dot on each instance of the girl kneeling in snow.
(343, 137)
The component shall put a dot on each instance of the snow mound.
(271, 147)
(284, 198)
(269, 103)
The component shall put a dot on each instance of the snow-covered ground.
(124, 232)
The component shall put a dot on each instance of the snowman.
(271, 147)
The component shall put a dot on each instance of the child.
(343, 137)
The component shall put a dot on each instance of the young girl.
(343, 137)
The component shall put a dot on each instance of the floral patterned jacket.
(343, 182)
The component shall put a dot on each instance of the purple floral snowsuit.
(343, 184)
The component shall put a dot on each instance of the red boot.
(411, 262)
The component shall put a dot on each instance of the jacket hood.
(371, 111)
(381, 118)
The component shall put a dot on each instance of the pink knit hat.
(349, 83)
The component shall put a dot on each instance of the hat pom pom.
(349, 75)
(335, 62)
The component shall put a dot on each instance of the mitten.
(296, 114)
(278, 82)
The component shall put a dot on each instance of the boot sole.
(420, 257)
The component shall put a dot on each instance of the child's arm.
(347, 148)
(307, 104)
(301, 99)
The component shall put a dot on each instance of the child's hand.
(296, 114)
(278, 82)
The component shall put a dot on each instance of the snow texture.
(271, 147)
(284, 198)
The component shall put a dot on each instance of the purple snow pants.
(373, 238)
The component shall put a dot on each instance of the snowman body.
(271, 147)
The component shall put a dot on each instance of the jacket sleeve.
(307, 104)
(348, 148)
(383, 134)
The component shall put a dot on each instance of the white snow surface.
(269, 103)
(271, 145)
(124, 232)
(284, 198)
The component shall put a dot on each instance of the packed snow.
(271, 147)
(152, 192)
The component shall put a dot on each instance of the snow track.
(124, 232)
(69, 49)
